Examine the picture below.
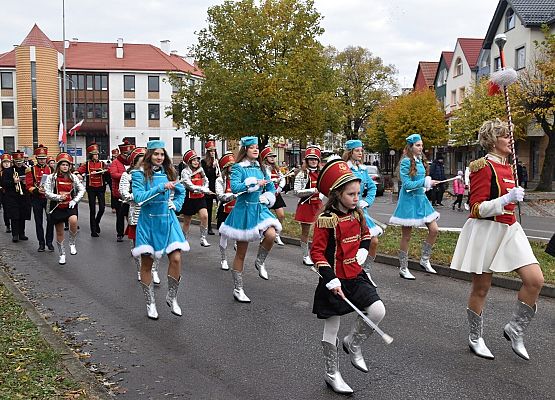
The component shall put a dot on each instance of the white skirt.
(486, 246)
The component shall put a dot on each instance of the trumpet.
(17, 182)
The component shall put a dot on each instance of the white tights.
(375, 312)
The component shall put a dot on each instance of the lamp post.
(74, 113)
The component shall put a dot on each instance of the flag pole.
(64, 109)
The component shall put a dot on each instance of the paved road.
(540, 227)
(270, 349)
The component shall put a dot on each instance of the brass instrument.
(17, 182)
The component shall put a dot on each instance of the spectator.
(524, 181)
(437, 172)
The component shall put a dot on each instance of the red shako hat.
(48, 159)
(226, 160)
(6, 157)
(266, 151)
(313, 151)
(93, 148)
(210, 145)
(126, 147)
(64, 157)
(41, 151)
(137, 151)
(189, 155)
(334, 174)
(18, 155)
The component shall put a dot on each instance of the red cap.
(126, 147)
(64, 157)
(189, 155)
(334, 174)
(93, 148)
(266, 151)
(313, 152)
(210, 145)
(41, 151)
(48, 159)
(115, 152)
(226, 160)
(137, 151)
(5, 157)
(18, 155)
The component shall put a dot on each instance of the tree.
(364, 83)
(266, 74)
(375, 138)
(416, 112)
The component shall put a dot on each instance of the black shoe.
(15, 239)
(454, 207)
(120, 239)
(23, 237)
(66, 228)
(94, 234)
(211, 232)
(8, 229)
(41, 248)
(50, 247)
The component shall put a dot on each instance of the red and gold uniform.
(491, 240)
(94, 172)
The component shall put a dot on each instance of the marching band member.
(196, 183)
(6, 164)
(158, 231)
(493, 241)
(34, 183)
(16, 196)
(211, 168)
(310, 203)
(226, 199)
(353, 156)
(66, 190)
(339, 249)
(117, 168)
(414, 208)
(126, 192)
(250, 219)
(94, 172)
(268, 161)
(51, 162)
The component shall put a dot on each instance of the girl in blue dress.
(250, 218)
(353, 156)
(413, 207)
(158, 230)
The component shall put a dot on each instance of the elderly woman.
(492, 215)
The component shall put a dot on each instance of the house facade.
(425, 75)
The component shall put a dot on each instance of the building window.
(453, 97)
(129, 83)
(153, 138)
(97, 80)
(497, 64)
(90, 111)
(520, 58)
(154, 111)
(458, 67)
(80, 82)
(177, 144)
(7, 110)
(129, 111)
(510, 18)
(103, 82)
(6, 80)
(9, 144)
(192, 143)
(90, 82)
(153, 84)
(461, 94)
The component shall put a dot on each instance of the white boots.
(62, 251)
(333, 377)
(238, 292)
(475, 340)
(223, 259)
(72, 247)
(203, 233)
(259, 263)
(515, 329)
(306, 255)
(425, 258)
(353, 341)
(148, 291)
(171, 297)
(404, 266)
(278, 241)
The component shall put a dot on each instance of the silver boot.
(404, 266)
(368, 268)
(148, 291)
(154, 270)
(138, 265)
(333, 377)
(171, 297)
(223, 259)
(306, 255)
(62, 251)
(259, 263)
(72, 247)
(238, 292)
(425, 258)
(475, 340)
(203, 233)
(353, 341)
(515, 329)
(278, 241)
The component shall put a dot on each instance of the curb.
(68, 358)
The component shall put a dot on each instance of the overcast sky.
(400, 32)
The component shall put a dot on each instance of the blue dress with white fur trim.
(249, 218)
(158, 230)
(368, 185)
(413, 207)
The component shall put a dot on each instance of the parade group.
(335, 200)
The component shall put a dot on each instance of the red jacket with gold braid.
(337, 238)
(94, 181)
(33, 177)
(491, 177)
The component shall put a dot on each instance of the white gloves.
(228, 197)
(205, 190)
(252, 184)
(361, 256)
(428, 182)
(334, 283)
(171, 205)
(264, 200)
(515, 195)
(321, 196)
(72, 204)
(363, 204)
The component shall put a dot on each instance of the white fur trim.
(251, 180)
(142, 249)
(247, 163)
(414, 222)
(254, 188)
(271, 198)
(183, 246)
(334, 283)
(250, 235)
(376, 231)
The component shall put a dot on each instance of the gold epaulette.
(327, 220)
(478, 164)
(28, 169)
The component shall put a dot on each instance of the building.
(425, 74)
(440, 79)
(119, 89)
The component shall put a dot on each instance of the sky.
(400, 32)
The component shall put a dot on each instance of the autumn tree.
(375, 138)
(266, 74)
(364, 82)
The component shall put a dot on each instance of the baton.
(444, 181)
(386, 338)
(140, 203)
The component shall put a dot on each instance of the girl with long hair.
(155, 187)
(196, 182)
(353, 156)
(250, 220)
(211, 168)
(64, 190)
(414, 208)
(226, 200)
(339, 249)
(268, 161)
(310, 201)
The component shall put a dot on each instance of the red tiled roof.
(471, 49)
(448, 57)
(7, 59)
(429, 70)
(37, 38)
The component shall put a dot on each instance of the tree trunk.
(262, 141)
(546, 176)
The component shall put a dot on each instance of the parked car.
(377, 177)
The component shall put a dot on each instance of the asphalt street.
(270, 349)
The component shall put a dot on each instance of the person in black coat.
(210, 166)
(437, 173)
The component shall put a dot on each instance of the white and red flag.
(76, 127)
(62, 136)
